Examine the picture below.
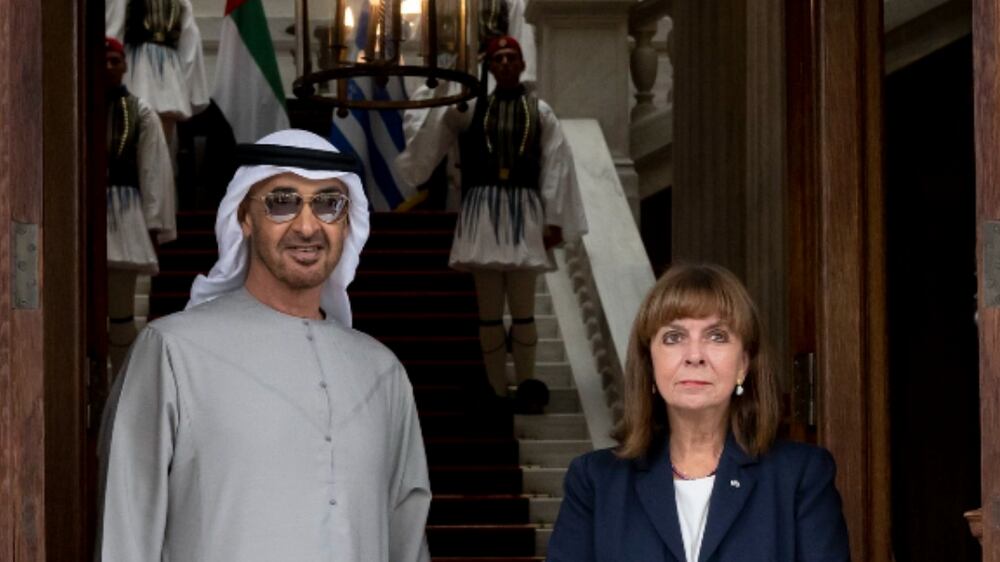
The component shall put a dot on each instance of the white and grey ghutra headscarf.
(301, 153)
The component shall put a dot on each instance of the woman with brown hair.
(698, 474)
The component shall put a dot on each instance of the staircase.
(496, 478)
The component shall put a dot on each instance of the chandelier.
(421, 41)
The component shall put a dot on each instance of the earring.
(739, 388)
(654, 389)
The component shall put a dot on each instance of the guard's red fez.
(502, 43)
(112, 44)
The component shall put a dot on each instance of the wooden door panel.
(986, 84)
(836, 266)
(22, 412)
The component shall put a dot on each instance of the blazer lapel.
(733, 486)
(654, 484)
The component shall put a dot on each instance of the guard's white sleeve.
(434, 136)
(411, 494)
(192, 60)
(524, 32)
(114, 19)
(156, 176)
(557, 182)
(141, 426)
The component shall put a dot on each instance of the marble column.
(583, 66)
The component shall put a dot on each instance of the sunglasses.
(282, 206)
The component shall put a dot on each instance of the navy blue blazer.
(779, 507)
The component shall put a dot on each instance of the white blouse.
(692, 511)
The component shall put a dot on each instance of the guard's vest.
(123, 140)
(502, 147)
(153, 21)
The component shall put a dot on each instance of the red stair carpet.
(406, 296)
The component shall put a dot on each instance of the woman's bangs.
(690, 301)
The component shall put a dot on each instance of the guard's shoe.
(531, 398)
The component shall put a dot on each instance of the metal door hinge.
(804, 389)
(24, 266)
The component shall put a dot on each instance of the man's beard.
(278, 265)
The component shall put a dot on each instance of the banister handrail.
(607, 271)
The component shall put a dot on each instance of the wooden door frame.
(73, 199)
(43, 478)
(837, 282)
(22, 408)
(986, 84)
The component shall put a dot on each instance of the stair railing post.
(643, 66)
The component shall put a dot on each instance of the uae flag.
(248, 87)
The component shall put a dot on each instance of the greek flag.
(376, 137)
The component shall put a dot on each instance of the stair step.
(195, 220)
(459, 372)
(476, 480)
(553, 373)
(551, 426)
(442, 398)
(169, 281)
(389, 238)
(552, 453)
(480, 510)
(192, 238)
(412, 301)
(430, 347)
(462, 397)
(543, 511)
(422, 258)
(464, 540)
(543, 481)
(187, 259)
(464, 424)
(485, 451)
(542, 537)
(445, 372)
(563, 401)
(458, 394)
(414, 280)
(413, 220)
(460, 347)
(389, 324)
(395, 323)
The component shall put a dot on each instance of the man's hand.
(552, 236)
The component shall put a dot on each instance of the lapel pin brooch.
(734, 483)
